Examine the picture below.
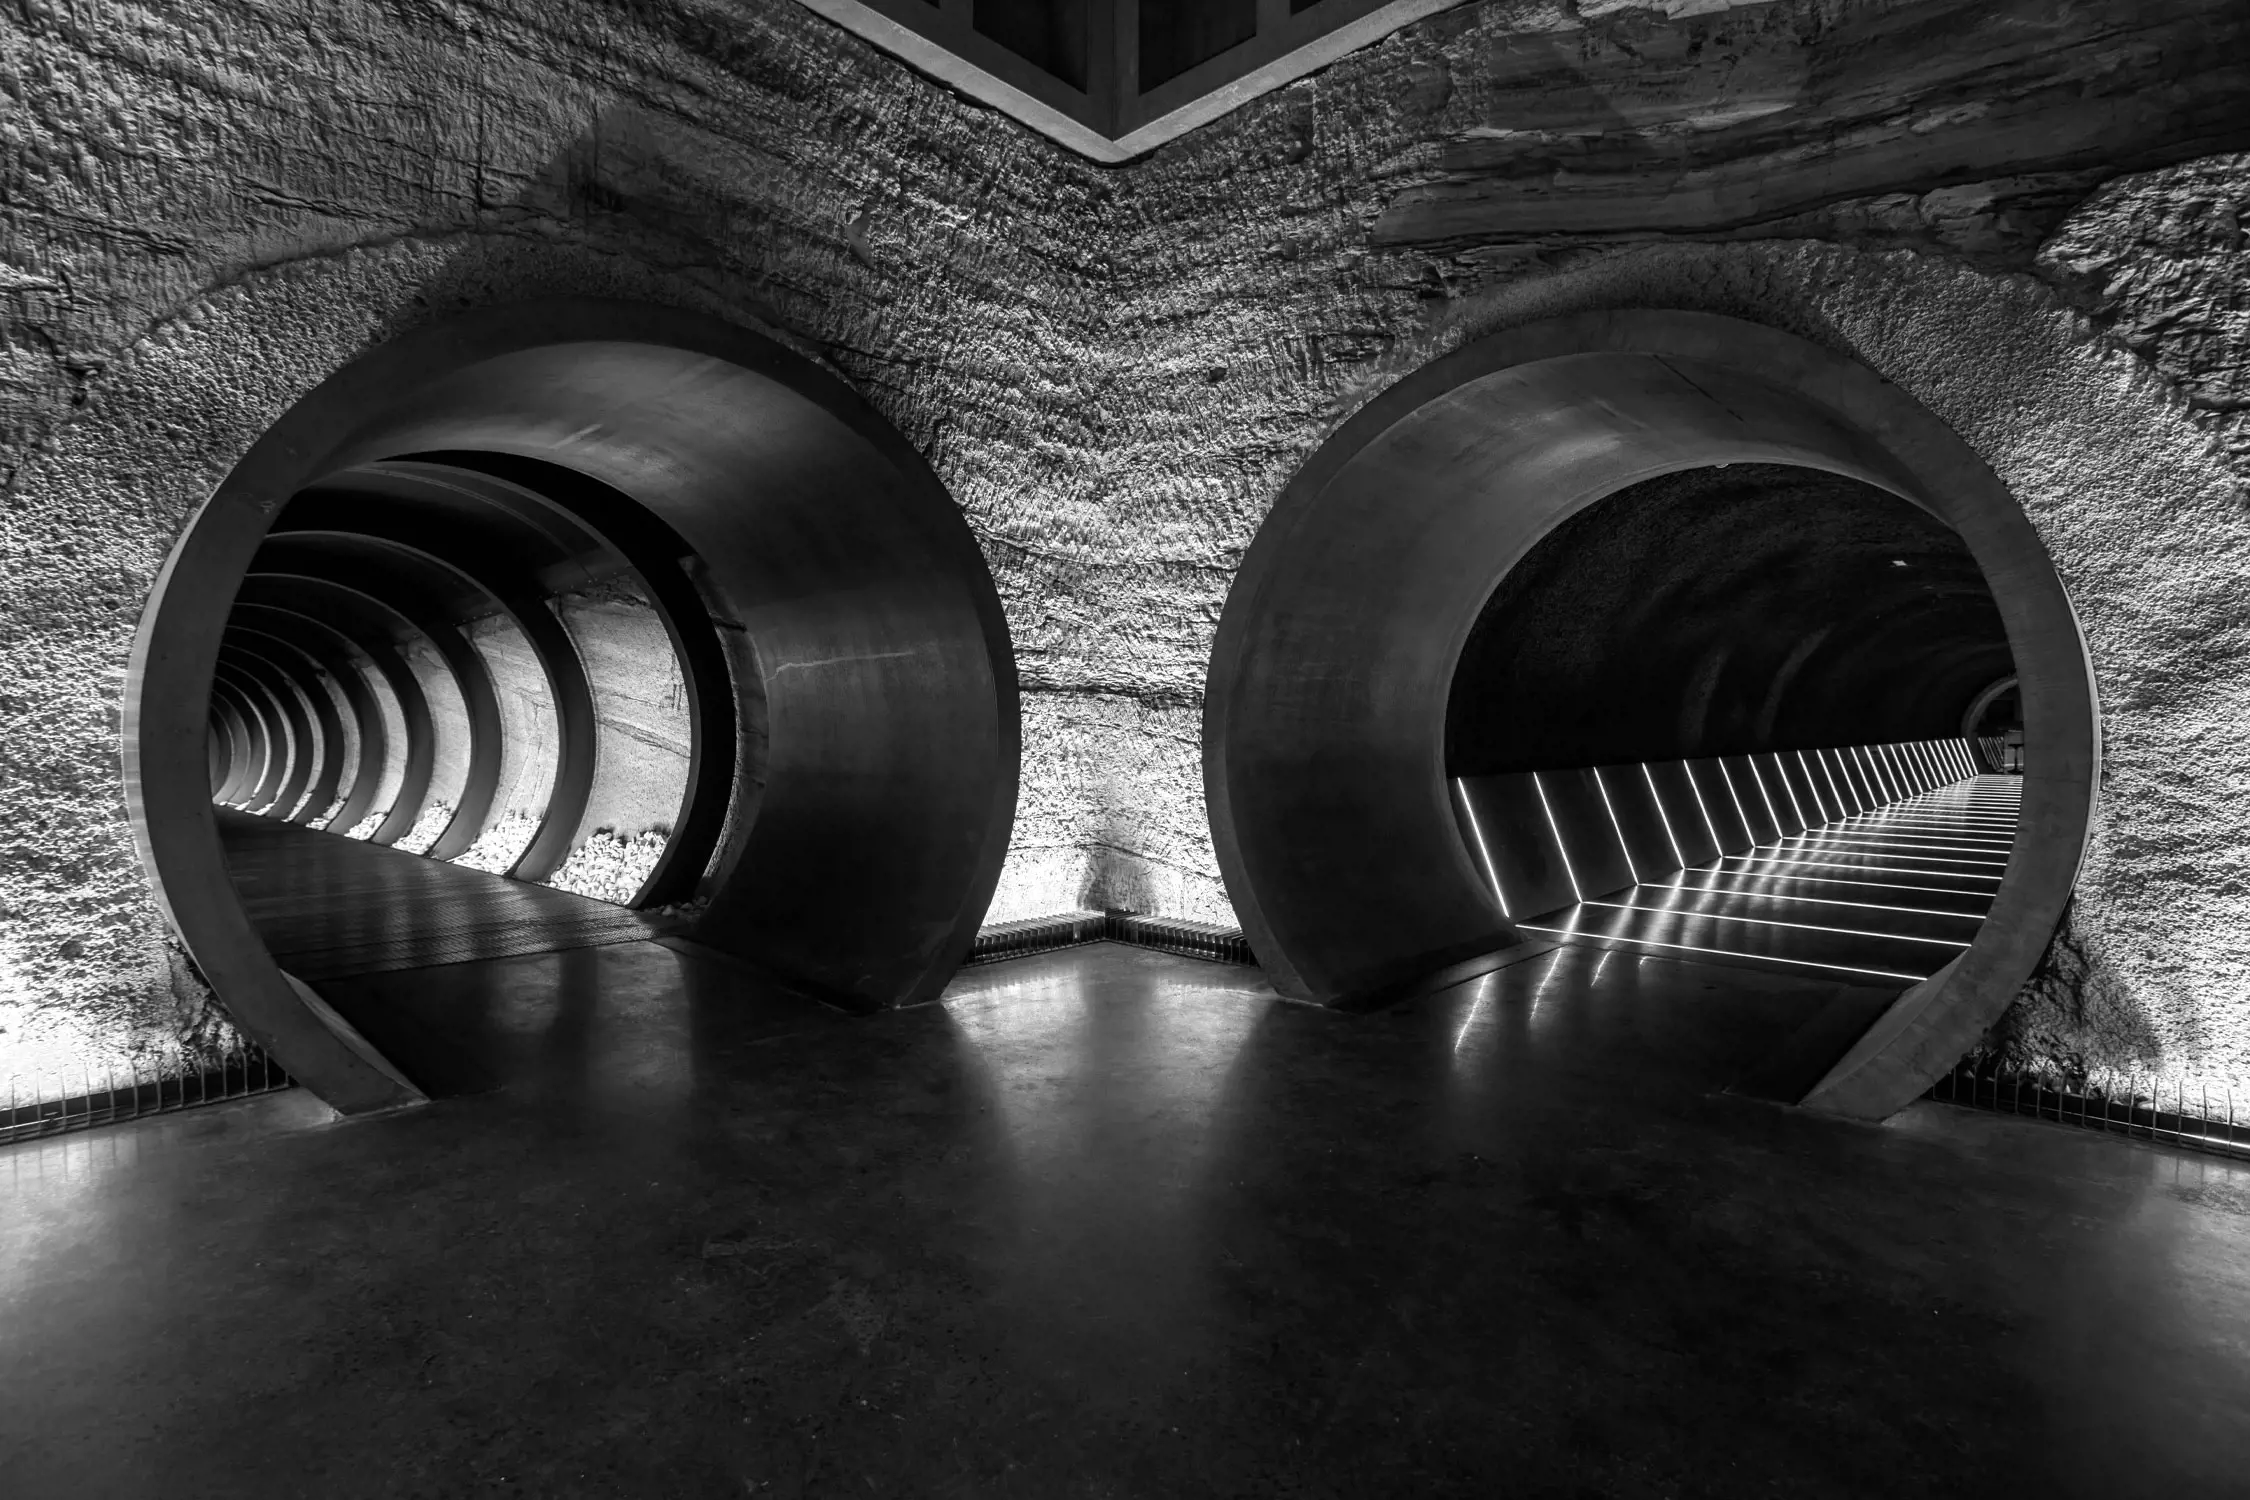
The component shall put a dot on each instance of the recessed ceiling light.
(1898, 562)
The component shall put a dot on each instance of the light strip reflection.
(1801, 963)
(1890, 848)
(1720, 916)
(1830, 864)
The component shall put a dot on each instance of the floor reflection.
(1108, 1221)
(1105, 1086)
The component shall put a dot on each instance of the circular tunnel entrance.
(413, 611)
(1564, 589)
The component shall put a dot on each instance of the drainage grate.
(2200, 1121)
(46, 1105)
(1069, 929)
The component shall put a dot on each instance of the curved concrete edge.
(1975, 712)
(515, 600)
(653, 551)
(357, 415)
(330, 653)
(304, 674)
(372, 577)
(368, 625)
(177, 837)
(844, 467)
(1932, 1026)
(1894, 442)
(405, 1094)
(288, 733)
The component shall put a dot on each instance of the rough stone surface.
(208, 208)
(643, 738)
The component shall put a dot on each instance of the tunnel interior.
(487, 660)
(559, 577)
(1631, 628)
(1718, 713)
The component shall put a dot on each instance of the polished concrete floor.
(1883, 897)
(329, 907)
(1113, 1223)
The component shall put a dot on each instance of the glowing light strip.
(1885, 762)
(1912, 911)
(1655, 797)
(1843, 833)
(1843, 803)
(1829, 864)
(1914, 839)
(1944, 854)
(1873, 761)
(1888, 885)
(1721, 916)
(1919, 811)
(1894, 756)
(1854, 780)
(1718, 845)
(1812, 787)
(1820, 759)
(1909, 776)
(1623, 847)
(1476, 830)
(1767, 958)
(1912, 769)
(1922, 756)
(1950, 813)
(1990, 830)
(1846, 796)
(1568, 873)
(1847, 845)
(1946, 763)
(1938, 813)
(1998, 832)
(1752, 762)
(1728, 777)
(1809, 762)
(1858, 759)
(1874, 765)
(1781, 772)
(1931, 840)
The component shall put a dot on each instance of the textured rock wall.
(209, 207)
(640, 705)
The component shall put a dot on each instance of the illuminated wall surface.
(2028, 222)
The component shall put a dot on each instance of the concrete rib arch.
(868, 823)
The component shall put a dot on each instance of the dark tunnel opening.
(1724, 611)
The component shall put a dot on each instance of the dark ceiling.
(1720, 611)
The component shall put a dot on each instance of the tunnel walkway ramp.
(1887, 896)
(330, 907)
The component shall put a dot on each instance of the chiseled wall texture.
(208, 207)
